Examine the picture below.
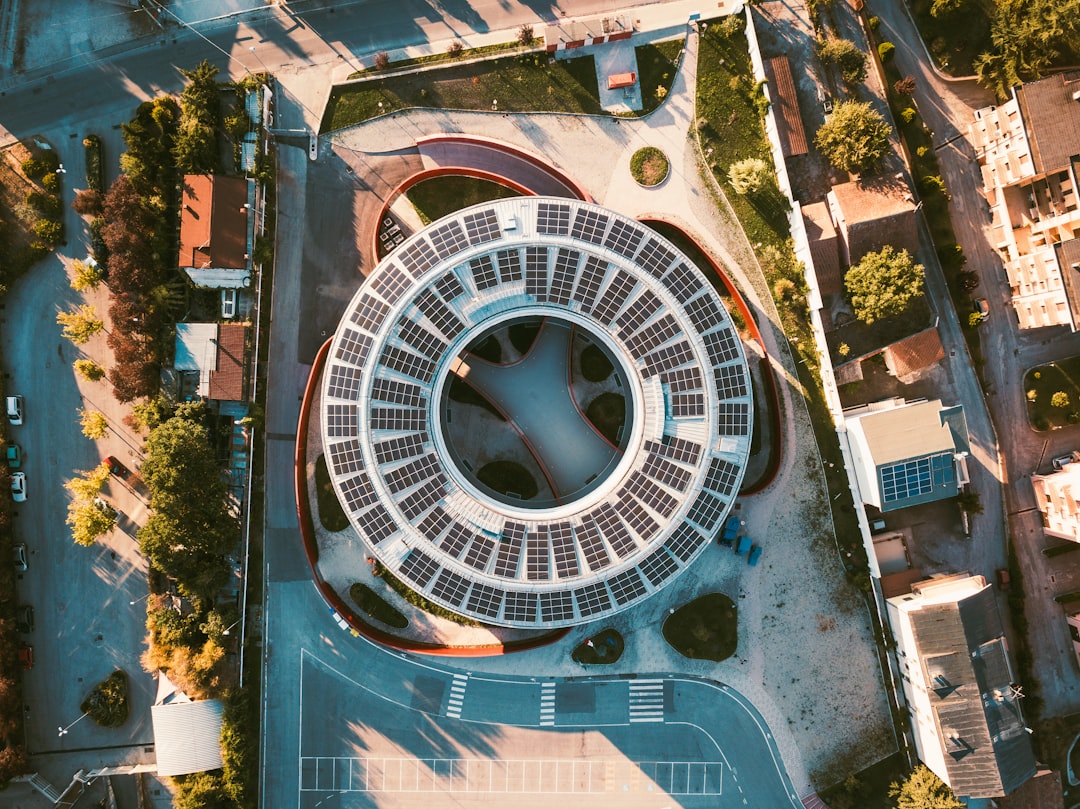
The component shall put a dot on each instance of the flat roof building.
(1056, 496)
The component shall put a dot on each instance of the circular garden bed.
(649, 166)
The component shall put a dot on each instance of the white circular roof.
(579, 560)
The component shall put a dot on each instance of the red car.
(117, 468)
(26, 656)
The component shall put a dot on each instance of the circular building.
(536, 412)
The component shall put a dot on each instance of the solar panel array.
(418, 310)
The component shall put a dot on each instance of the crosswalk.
(547, 704)
(647, 701)
(457, 696)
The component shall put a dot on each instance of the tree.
(382, 60)
(923, 790)
(81, 324)
(1028, 36)
(195, 147)
(455, 48)
(846, 55)
(882, 284)
(1059, 399)
(855, 138)
(749, 175)
(970, 501)
(88, 521)
(94, 424)
(89, 370)
(87, 202)
(84, 276)
(525, 34)
(132, 381)
(969, 280)
(89, 485)
(904, 86)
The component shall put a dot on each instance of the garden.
(1053, 394)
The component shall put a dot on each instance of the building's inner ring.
(535, 412)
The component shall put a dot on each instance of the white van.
(15, 410)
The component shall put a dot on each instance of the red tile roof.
(227, 382)
(915, 352)
(786, 106)
(213, 222)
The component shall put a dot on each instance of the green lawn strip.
(657, 63)
(869, 788)
(649, 166)
(704, 629)
(526, 83)
(1040, 385)
(436, 58)
(376, 606)
(417, 600)
(439, 196)
(331, 515)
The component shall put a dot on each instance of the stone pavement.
(806, 657)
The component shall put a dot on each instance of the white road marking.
(646, 699)
(457, 696)
(547, 704)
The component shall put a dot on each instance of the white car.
(15, 410)
(18, 487)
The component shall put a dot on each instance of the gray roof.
(187, 736)
(911, 431)
(1052, 120)
(987, 749)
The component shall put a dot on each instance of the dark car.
(24, 618)
(117, 468)
(18, 555)
(26, 656)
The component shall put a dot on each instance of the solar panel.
(369, 312)
(668, 358)
(441, 316)
(592, 545)
(684, 541)
(645, 306)
(407, 476)
(418, 257)
(721, 476)
(562, 279)
(358, 492)
(485, 600)
(683, 379)
(721, 346)
(557, 606)
(622, 284)
(704, 313)
(658, 566)
(683, 282)
(655, 258)
(733, 418)
(627, 586)
(344, 382)
(520, 606)
(553, 218)
(562, 549)
(592, 598)
(376, 524)
(483, 273)
(589, 282)
(624, 238)
(398, 419)
(353, 347)
(666, 472)
(449, 287)
(395, 392)
(481, 226)
(415, 504)
(346, 457)
(421, 339)
(408, 363)
(614, 530)
(678, 449)
(650, 494)
(537, 555)
(456, 539)
(917, 477)
(391, 283)
(536, 272)
(589, 225)
(509, 265)
(450, 587)
(397, 449)
(687, 405)
(631, 511)
(653, 335)
(730, 381)
(433, 525)
(707, 511)
(448, 239)
(480, 552)
(506, 562)
(341, 421)
(418, 568)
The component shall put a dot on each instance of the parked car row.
(15, 414)
(731, 538)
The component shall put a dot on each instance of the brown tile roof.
(786, 106)
(899, 583)
(227, 382)
(915, 352)
(873, 199)
(1041, 792)
(1052, 119)
(824, 247)
(213, 222)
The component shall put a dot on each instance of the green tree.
(195, 148)
(846, 55)
(1059, 399)
(81, 324)
(88, 521)
(882, 284)
(525, 34)
(923, 790)
(749, 175)
(970, 501)
(94, 424)
(855, 138)
(84, 276)
(89, 484)
(1028, 36)
(89, 370)
(202, 790)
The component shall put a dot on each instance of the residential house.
(1029, 151)
(959, 686)
(212, 357)
(907, 453)
(1056, 497)
(215, 230)
(871, 213)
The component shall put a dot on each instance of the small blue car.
(755, 554)
(743, 545)
(730, 532)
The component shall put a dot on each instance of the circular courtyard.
(536, 412)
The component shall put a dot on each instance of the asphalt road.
(377, 728)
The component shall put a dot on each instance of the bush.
(975, 319)
(107, 704)
(455, 48)
(34, 169)
(87, 203)
(525, 35)
(904, 86)
(845, 55)
(95, 169)
(873, 23)
(382, 60)
(885, 52)
(51, 182)
(1059, 399)
(49, 231)
(931, 184)
(907, 115)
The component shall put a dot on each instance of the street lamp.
(261, 62)
(61, 170)
(225, 631)
(69, 727)
(137, 600)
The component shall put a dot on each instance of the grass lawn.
(508, 478)
(331, 515)
(439, 196)
(955, 38)
(1040, 385)
(525, 83)
(378, 608)
(417, 600)
(704, 629)
(656, 68)
(602, 648)
(649, 166)
(869, 788)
